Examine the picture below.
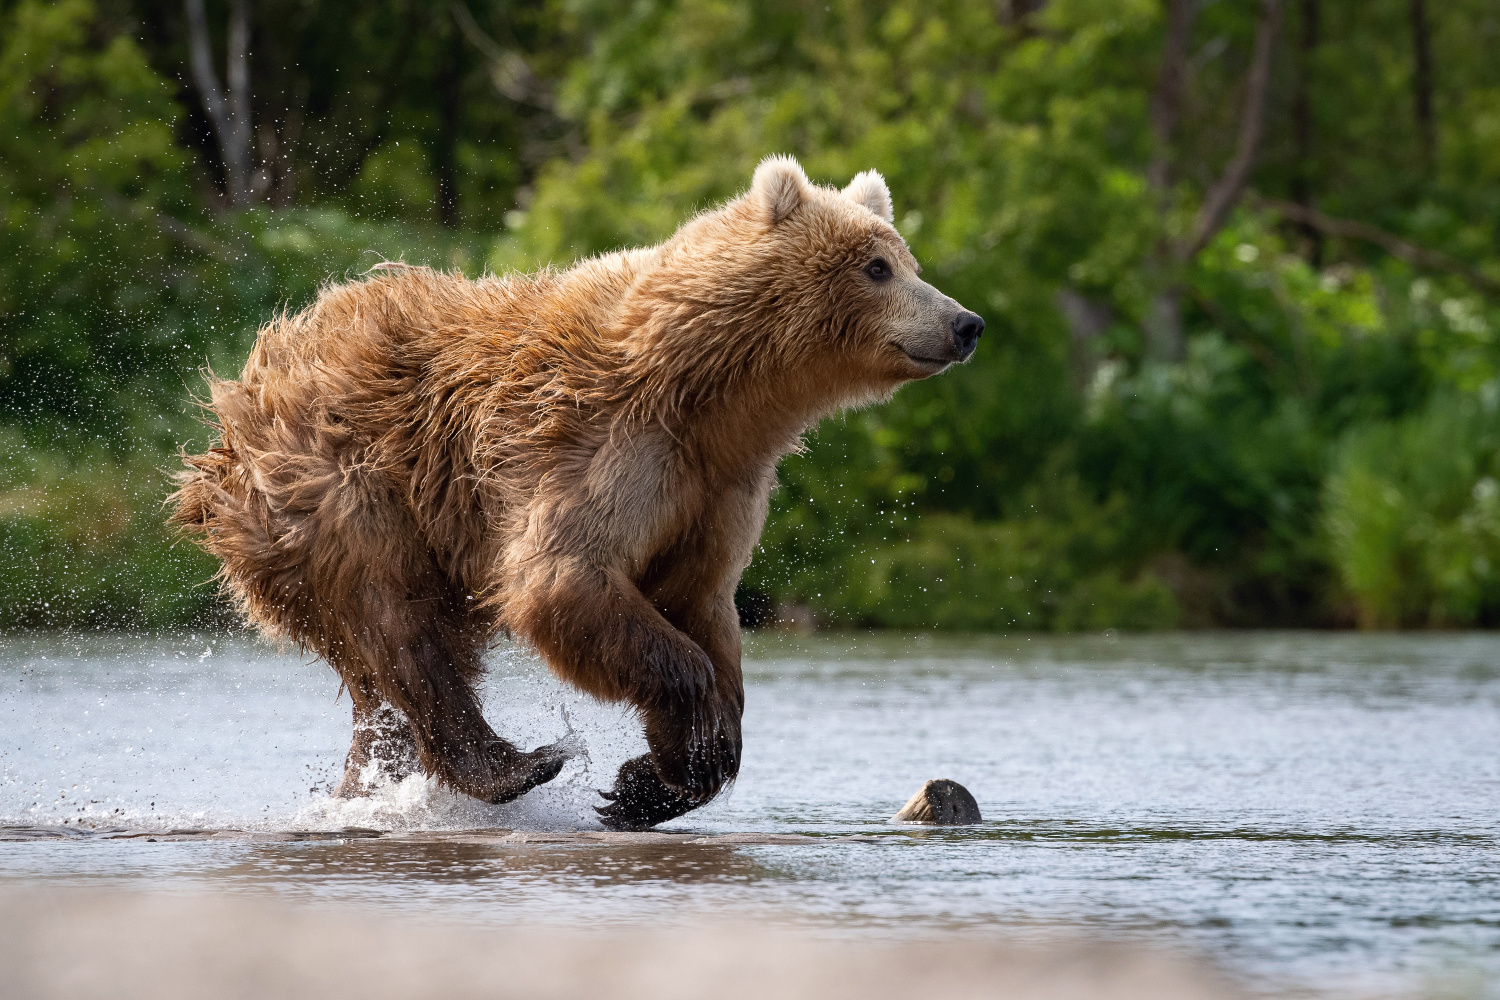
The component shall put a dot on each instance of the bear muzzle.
(935, 331)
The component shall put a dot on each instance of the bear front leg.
(641, 798)
(599, 632)
(700, 742)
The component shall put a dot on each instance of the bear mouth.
(933, 363)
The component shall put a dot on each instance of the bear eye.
(878, 269)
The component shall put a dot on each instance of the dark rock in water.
(940, 802)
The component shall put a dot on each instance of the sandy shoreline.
(65, 942)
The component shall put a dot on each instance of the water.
(1319, 810)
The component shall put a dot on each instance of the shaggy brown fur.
(417, 463)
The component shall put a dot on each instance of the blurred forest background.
(1239, 261)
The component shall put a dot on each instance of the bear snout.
(967, 327)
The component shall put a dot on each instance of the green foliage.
(85, 545)
(1413, 514)
(1322, 452)
(1048, 571)
(87, 159)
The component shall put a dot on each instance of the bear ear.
(868, 189)
(779, 186)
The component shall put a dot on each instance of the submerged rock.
(940, 802)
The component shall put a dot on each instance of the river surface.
(1308, 810)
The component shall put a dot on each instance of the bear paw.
(512, 773)
(640, 799)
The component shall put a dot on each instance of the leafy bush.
(1413, 514)
(1321, 452)
(85, 546)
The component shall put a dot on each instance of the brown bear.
(581, 459)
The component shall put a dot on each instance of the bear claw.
(536, 768)
(640, 799)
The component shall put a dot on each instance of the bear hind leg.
(420, 657)
(383, 751)
(326, 553)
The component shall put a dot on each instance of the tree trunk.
(1163, 323)
(1225, 194)
(1166, 100)
(1013, 13)
(237, 78)
(1421, 43)
(347, 162)
(1087, 321)
(229, 113)
(1302, 125)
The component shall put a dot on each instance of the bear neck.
(740, 431)
(740, 426)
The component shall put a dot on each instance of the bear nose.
(967, 327)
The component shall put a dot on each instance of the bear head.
(804, 287)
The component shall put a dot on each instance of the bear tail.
(215, 503)
(200, 490)
(200, 495)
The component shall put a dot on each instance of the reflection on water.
(484, 873)
(1323, 808)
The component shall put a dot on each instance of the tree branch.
(509, 72)
(1226, 192)
(1166, 100)
(173, 229)
(1417, 256)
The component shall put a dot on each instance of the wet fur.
(417, 463)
